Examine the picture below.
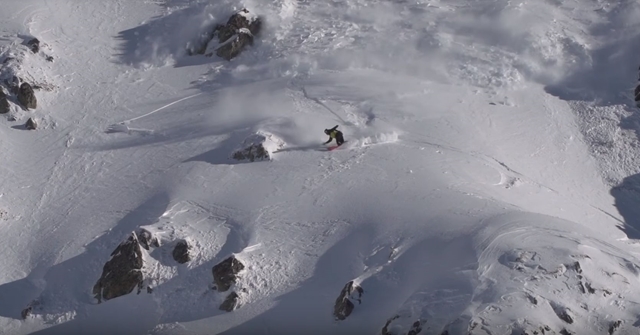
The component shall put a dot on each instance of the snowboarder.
(334, 133)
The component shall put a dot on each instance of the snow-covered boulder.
(344, 304)
(259, 146)
(226, 272)
(181, 252)
(27, 97)
(123, 272)
(4, 103)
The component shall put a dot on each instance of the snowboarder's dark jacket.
(334, 133)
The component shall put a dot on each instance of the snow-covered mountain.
(489, 183)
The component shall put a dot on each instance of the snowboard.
(331, 148)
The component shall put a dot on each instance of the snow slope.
(488, 185)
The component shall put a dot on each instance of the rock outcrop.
(344, 304)
(181, 252)
(226, 272)
(147, 239)
(34, 45)
(29, 310)
(4, 103)
(258, 147)
(122, 273)
(31, 124)
(27, 97)
(227, 41)
(230, 302)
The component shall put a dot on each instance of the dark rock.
(564, 315)
(532, 299)
(344, 306)
(34, 45)
(49, 58)
(31, 124)
(181, 252)
(614, 326)
(236, 35)
(147, 239)
(122, 273)
(230, 302)
(385, 329)
(564, 331)
(231, 49)
(26, 96)
(13, 84)
(4, 103)
(416, 328)
(225, 273)
(589, 288)
(252, 153)
(237, 22)
(577, 267)
(27, 311)
(637, 93)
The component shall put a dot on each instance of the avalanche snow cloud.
(488, 185)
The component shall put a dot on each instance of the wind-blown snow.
(488, 185)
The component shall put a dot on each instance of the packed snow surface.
(489, 183)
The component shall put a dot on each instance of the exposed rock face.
(4, 103)
(122, 273)
(225, 273)
(240, 20)
(31, 124)
(232, 38)
(27, 311)
(385, 329)
(230, 303)
(258, 147)
(13, 84)
(232, 48)
(251, 153)
(34, 45)
(614, 326)
(181, 252)
(147, 239)
(344, 305)
(27, 97)
(416, 328)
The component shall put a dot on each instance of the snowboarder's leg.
(339, 139)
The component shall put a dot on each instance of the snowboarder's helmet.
(326, 131)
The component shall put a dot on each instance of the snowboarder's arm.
(327, 142)
(334, 128)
